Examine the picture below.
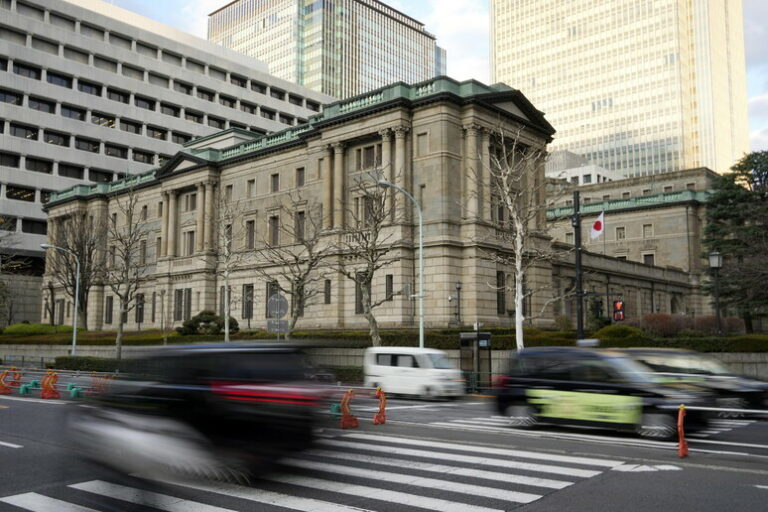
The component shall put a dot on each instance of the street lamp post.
(458, 304)
(715, 264)
(77, 291)
(385, 183)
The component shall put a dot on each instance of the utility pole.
(576, 223)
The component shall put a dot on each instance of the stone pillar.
(400, 172)
(484, 200)
(163, 250)
(327, 189)
(201, 210)
(338, 185)
(172, 214)
(210, 220)
(388, 168)
(471, 171)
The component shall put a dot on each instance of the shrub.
(733, 325)
(619, 332)
(682, 322)
(690, 333)
(347, 374)
(563, 323)
(706, 324)
(26, 329)
(658, 325)
(86, 364)
(206, 322)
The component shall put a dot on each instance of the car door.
(602, 395)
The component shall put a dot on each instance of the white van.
(423, 372)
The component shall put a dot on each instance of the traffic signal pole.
(576, 223)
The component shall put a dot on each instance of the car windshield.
(684, 363)
(440, 362)
(633, 371)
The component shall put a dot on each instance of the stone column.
(172, 235)
(163, 249)
(338, 185)
(388, 168)
(201, 210)
(400, 172)
(484, 200)
(471, 171)
(210, 221)
(327, 188)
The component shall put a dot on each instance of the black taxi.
(585, 387)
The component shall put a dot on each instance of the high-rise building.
(641, 87)
(342, 48)
(89, 91)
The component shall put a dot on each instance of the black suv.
(202, 410)
(730, 390)
(585, 387)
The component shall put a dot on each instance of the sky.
(461, 27)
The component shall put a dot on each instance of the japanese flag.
(598, 228)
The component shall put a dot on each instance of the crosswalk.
(351, 472)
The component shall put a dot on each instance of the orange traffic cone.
(5, 389)
(16, 374)
(49, 386)
(682, 448)
(380, 417)
(347, 420)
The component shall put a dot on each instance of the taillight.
(296, 395)
(500, 381)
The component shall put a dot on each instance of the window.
(247, 312)
(251, 187)
(57, 79)
(249, 108)
(389, 286)
(170, 110)
(58, 139)
(142, 252)
(215, 122)
(27, 71)
(142, 102)
(268, 114)
(299, 226)
(181, 86)
(606, 197)
(647, 192)
(115, 95)
(180, 138)
(227, 101)
(9, 159)
(286, 119)
(300, 177)
(115, 151)
(132, 72)
(501, 293)
(45, 196)
(274, 230)
(277, 93)
(20, 193)
(99, 176)
(690, 186)
(89, 145)
(7, 223)
(25, 132)
(46, 106)
(36, 227)
(88, 30)
(195, 117)
(647, 230)
(105, 64)
(648, 259)
(258, 87)
(228, 193)
(294, 100)
(227, 237)
(71, 171)
(139, 308)
(14, 98)
(190, 202)
(73, 112)
(311, 105)
(143, 214)
(238, 80)
(143, 157)
(158, 80)
(625, 195)
(103, 119)
(569, 238)
(620, 233)
(587, 178)
(327, 292)
(108, 307)
(157, 133)
(88, 87)
(205, 94)
(250, 234)
(130, 126)
(189, 243)
(37, 165)
(274, 181)
(182, 302)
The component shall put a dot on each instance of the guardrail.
(26, 361)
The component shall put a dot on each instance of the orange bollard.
(5, 389)
(16, 382)
(347, 420)
(682, 448)
(380, 417)
(49, 386)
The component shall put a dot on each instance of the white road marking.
(549, 457)
(362, 491)
(416, 481)
(147, 498)
(471, 459)
(39, 503)
(730, 443)
(639, 468)
(440, 468)
(55, 401)
(10, 445)
(762, 486)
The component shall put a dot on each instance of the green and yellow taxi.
(595, 388)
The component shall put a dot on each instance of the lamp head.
(384, 183)
(46, 246)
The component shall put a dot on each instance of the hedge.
(86, 363)
(30, 329)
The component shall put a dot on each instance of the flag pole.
(576, 223)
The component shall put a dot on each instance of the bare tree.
(518, 200)
(295, 254)
(364, 246)
(83, 235)
(126, 254)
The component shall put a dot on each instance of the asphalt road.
(443, 456)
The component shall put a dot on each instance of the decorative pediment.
(180, 162)
(512, 108)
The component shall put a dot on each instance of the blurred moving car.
(586, 387)
(415, 371)
(731, 390)
(204, 410)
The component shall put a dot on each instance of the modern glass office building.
(341, 48)
(638, 86)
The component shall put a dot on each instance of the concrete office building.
(575, 169)
(341, 48)
(637, 87)
(90, 92)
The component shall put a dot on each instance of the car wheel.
(428, 393)
(655, 425)
(521, 416)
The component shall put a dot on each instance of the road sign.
(277, 306)
(277, 326)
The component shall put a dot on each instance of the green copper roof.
(630, 203)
